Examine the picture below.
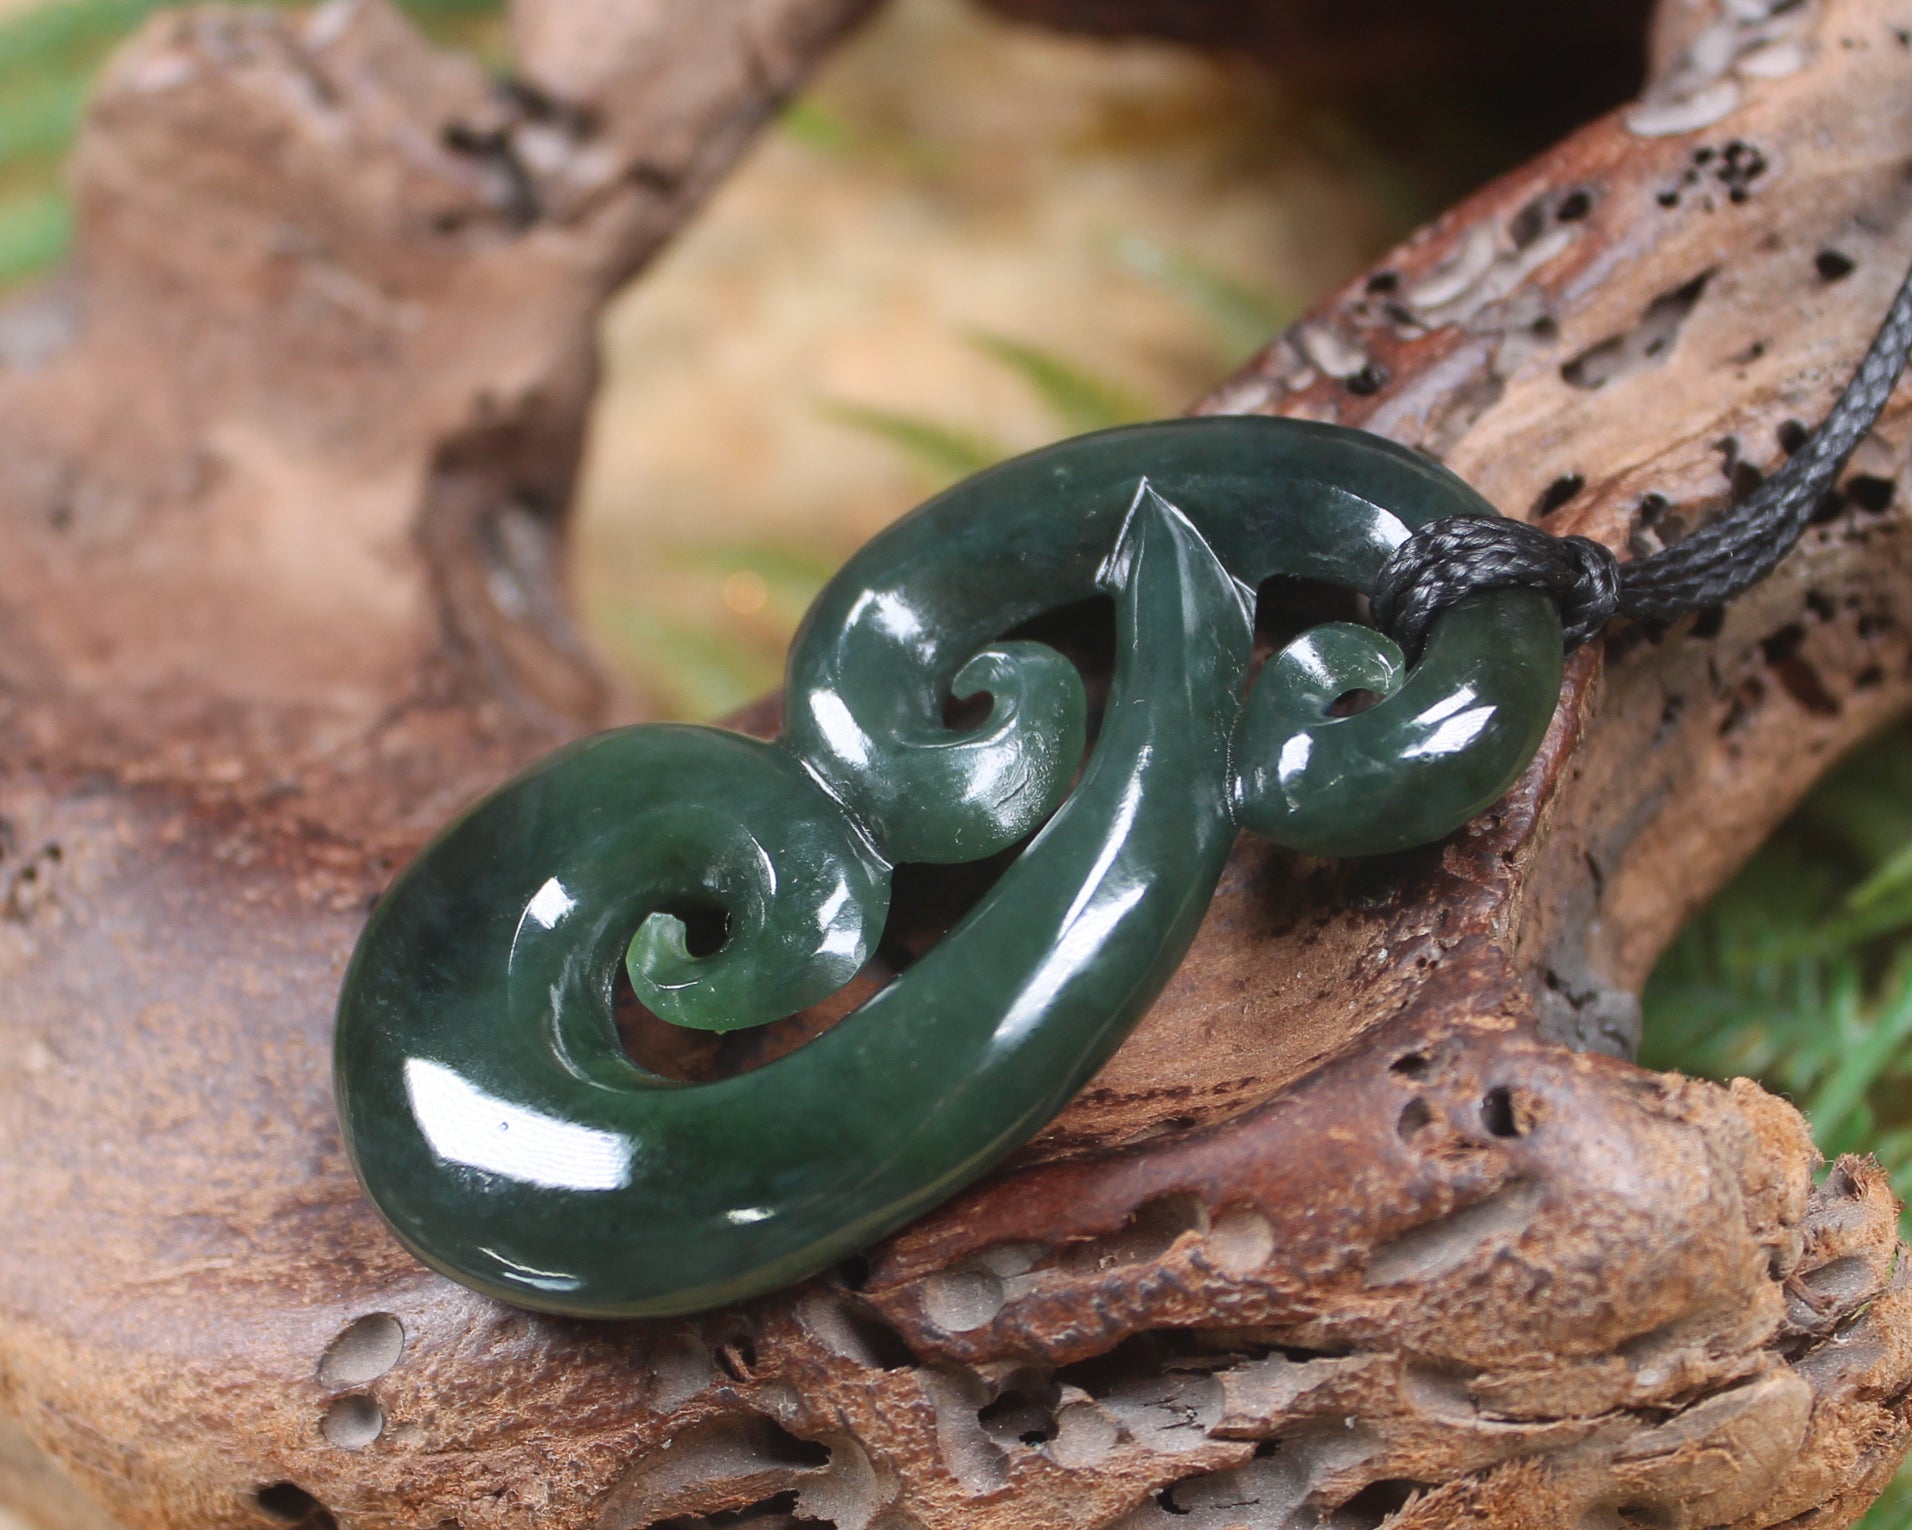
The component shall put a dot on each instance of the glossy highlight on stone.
(488, 1106)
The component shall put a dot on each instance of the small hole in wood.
(1574, 206)
(1646, 345)
(772, 1513)
(1528, 223)
(1708, 623)
(1024, 1415)
(352, 1422)
(1670, 715)
(1371, 379)
(1415, 1115)
(1871, 493)
(289, 1504)
(738, 1356)
(855, 1332)
(1409, 1065)
(364, 1350)
(1375, 1504)
(1497, 1112)
(1558, 493)
(1833, 265)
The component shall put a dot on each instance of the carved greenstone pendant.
(487, 1104)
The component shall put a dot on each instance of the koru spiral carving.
(487, 1103)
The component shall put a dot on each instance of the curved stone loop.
(487, 1104)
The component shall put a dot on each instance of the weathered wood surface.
(1368, 1224)
(1540, 61)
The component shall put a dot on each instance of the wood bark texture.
(1371, 1223)
(1392, 43)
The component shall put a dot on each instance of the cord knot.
(1448, 560)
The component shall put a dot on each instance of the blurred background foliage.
(968, 239)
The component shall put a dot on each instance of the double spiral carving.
(487, 1103)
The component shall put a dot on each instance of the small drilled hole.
(1351, 703)
(705, 930)
(1573, 207)
(963, 713)
(1409, 1065)
(1833, 265)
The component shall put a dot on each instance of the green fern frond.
(815, 126)
(944, 453)
(1386, 181)
(693, 670)
(1891, 883)
(1877, 1033)
(791, 575)
(1800, 972)
(1078, 399)
(1241, 317)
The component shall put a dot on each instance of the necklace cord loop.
(1448, 560)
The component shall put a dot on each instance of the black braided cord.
(1448, 560)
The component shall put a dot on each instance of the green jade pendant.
(487, 1104)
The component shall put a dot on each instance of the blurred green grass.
(1799, 974)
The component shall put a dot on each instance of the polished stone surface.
(487, 1103)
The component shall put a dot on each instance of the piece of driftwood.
(1541, 60)
(1369, 1224)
